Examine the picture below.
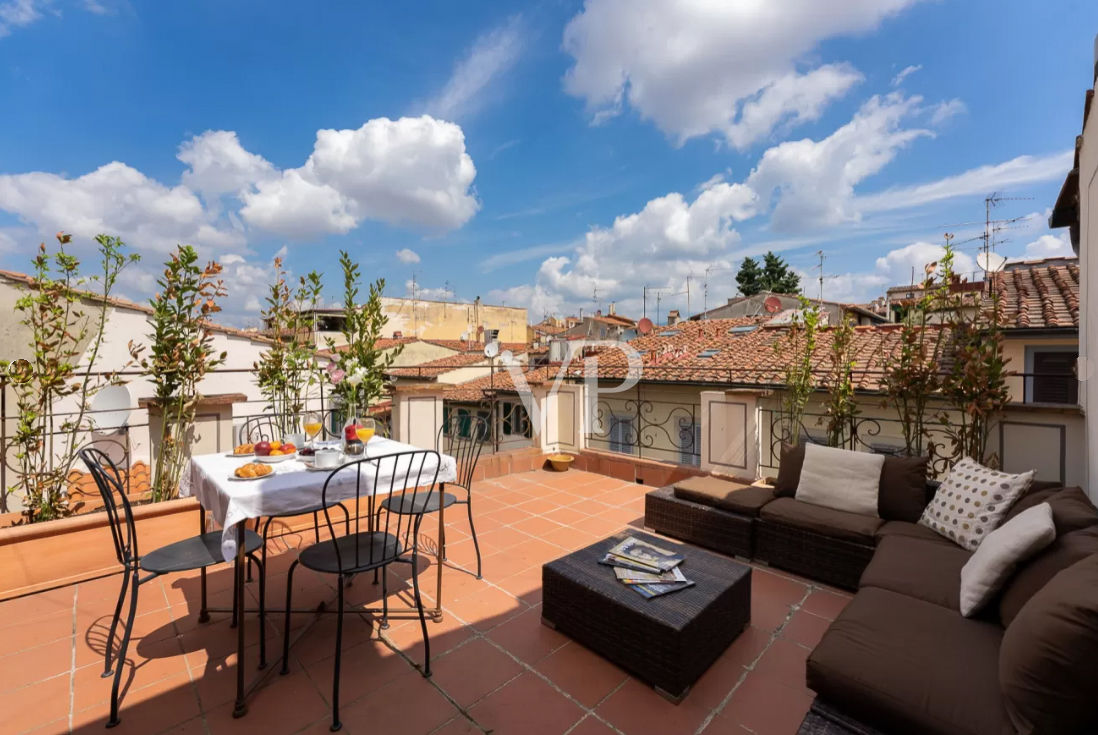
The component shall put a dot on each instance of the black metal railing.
(669, 431)
(506, 422)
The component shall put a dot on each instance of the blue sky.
(555, 155)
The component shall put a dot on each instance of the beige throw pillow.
(1000, 554)
(972, 501)
(840, 479)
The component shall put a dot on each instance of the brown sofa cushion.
(903, 488)
(790, 462)
(1071, 508)
(731, 496)
(911, 530)
(909, 667)
(927, 570)
(903, 483)
(835, 523)
(1036, 573)
(1047, 664)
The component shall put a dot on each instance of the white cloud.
(815, 180)
(898, 267)
(18, 13)
(406, 256)
(1050, 246)
(118, 200)
(440, 293)
(1015, 172)
(905, 73)
(695, 68)
(411, 171)
(218, 164)
(493, 53)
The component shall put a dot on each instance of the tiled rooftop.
(496, 668)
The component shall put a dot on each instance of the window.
(515, 420)
(621, 434)
(747, 329)
(1052, 375)
(708, 353)
(690, 437)
(671, 333)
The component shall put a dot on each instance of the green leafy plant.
(288, 369)
(357, 370)
(181, 355)
(797, 351)
(841, 407)
(975, 377)
(911, 373)
(774, 275)
(67, 323)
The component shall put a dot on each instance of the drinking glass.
(365, 430)
(313, 425)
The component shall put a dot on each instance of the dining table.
(292, 486)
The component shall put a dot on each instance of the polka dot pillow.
(972, 502)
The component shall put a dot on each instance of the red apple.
(262, 449)
(349, 432)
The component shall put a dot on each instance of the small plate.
(276, 458)
(234, 478)
(234, 455)
(314, 468)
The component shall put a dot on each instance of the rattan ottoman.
(666, 641)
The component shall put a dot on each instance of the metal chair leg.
(336, 724)
(316, 526)
(203, 612)
(286, 627)
(384, 624)
(422, 619)
(107, 670)
(262, 611)
(473, 530)
(121, 663)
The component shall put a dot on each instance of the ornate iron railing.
(669, 431)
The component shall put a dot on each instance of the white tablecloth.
(290, 487)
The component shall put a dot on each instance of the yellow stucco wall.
(448, 320)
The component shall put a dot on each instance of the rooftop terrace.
(495, 666)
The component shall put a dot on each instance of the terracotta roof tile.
(434, 368)
(481, 388)
(1039, 294)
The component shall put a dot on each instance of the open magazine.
(647, 569)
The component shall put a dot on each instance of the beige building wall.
(1014, 349)
(1088, 289)
(452, 320)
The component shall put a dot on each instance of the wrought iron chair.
(198, 552)
(414, 475)
(463, 438)
(266, 427)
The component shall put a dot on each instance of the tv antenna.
(705, 289)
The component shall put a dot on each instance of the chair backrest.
(463, 436)
(413, 474)
(112, 489)
(263, 427)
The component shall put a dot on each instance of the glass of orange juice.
(312, 425)
(365, 430)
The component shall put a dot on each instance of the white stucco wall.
(1088, 269)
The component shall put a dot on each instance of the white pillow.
(972, 501)
(1001, 552)
(840, 479)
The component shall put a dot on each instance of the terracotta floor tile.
(637, 709)
(763, 705)
(30, 706)
(458, 726)
(283, 704)
(525, 585)
(784, 661)
(446, 635)
(826, 604)
(37, 606)
(468, 673)
(487, 609)
(526, 637)
(526, 705)
(409, 704)
(805, 628)
(32, 666)
(585, 675)
(143, 710)
(592, 725)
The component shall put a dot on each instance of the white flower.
(355, 378)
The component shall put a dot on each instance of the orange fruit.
(275, 445)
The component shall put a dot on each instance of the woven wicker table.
(667, 641)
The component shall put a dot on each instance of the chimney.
(610, 309)
(398, 334)
(672, 317)
(598, 312)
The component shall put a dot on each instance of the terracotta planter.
(56, 553)
(561, 462)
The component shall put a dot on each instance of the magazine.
(645, 555)
(628, 576)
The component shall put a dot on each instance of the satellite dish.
(491, 349)
(110, 408)
(990, 262)
(772, 304)
(645, 326)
